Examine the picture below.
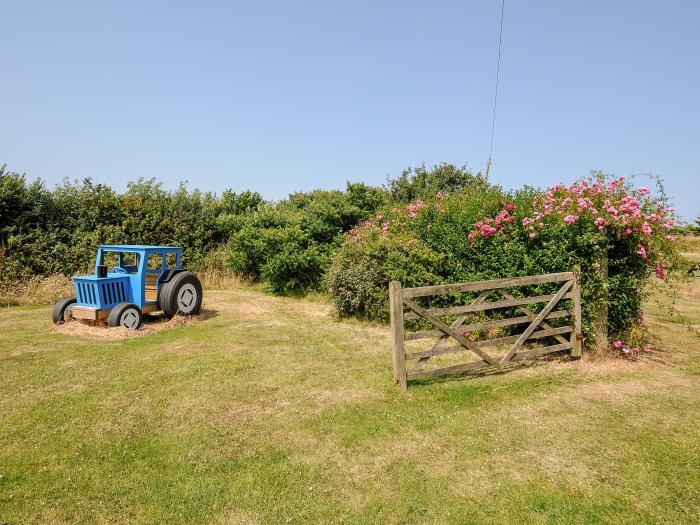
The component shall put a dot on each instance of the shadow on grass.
(204, 315)
(494, 372)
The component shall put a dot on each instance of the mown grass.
(270, 411)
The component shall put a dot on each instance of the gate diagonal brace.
(535, 323)
(458, 322)
(451, 331)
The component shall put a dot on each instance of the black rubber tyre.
(58, 315)
(127, 315)
(181, 295)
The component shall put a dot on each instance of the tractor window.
(126, 262)
(155, 261)
(110, 260)
(171, 259)
(130, 262)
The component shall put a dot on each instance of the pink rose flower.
(660, 271)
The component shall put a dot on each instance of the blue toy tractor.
(128, 282)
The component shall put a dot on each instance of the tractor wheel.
(127, 315)
(181, 295)
(59, 311)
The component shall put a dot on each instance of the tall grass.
(35, 290)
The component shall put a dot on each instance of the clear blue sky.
(285, 96)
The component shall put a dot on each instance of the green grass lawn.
(269, 411)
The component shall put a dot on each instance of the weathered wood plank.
(540, 317)
(148, 308)
(396, 310)
(88, 313)
(551, 332)
(449, 331)
(468, 308)
(541, 351)
(577, 336)
(442, 337)
(527, 311)
(447, 370)
(493, 284)
(558, 314)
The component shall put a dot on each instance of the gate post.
(397, 331)
(601, 322)
(576, 335)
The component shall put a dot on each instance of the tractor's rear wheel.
(181, 295)
(62, 307)
(126, 315)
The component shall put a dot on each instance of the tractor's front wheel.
(61, 308)
(127, 315)
(181, 295)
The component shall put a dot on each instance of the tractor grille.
(102, 293)
(87, 293)
(113, 293)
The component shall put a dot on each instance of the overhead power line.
(495, 95)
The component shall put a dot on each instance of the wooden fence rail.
(537, 326)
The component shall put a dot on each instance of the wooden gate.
(537, 326)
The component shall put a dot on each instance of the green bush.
(421, 183)
(288, 245)
(45, 232)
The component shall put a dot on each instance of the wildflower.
(532, 235)
(491, 332)
(439, 195)
(646, 229)
(510, 206)
(570, 219)
(617, 344)
(644, 191)
(671, 238)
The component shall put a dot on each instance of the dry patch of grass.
(689, 244)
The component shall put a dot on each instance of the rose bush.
(484, 232)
